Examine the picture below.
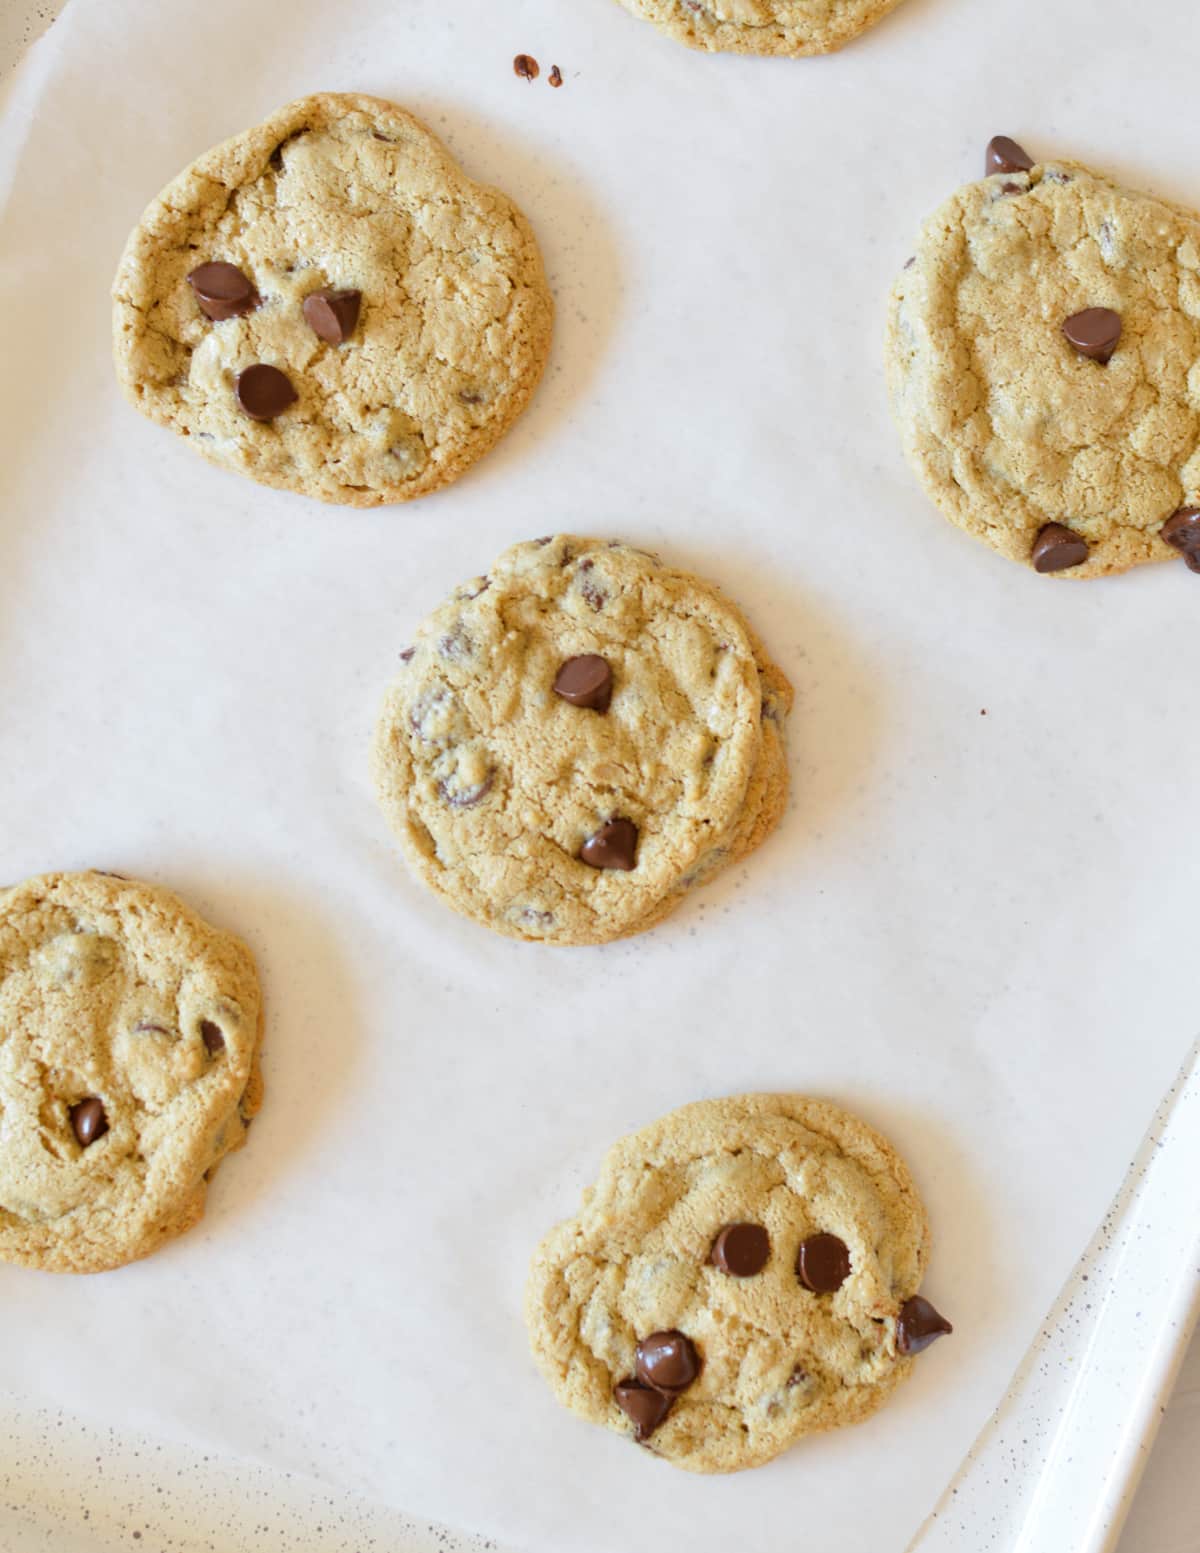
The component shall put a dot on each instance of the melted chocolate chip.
(1094, 333)
(89, 1121)
(264, 392)
(222, 290)
(1182, 529)
(1005, 156)
(332, 315)
(148, 1027)
(918, 1325)
(555, 76)
(614, 845)
(526, 67)
(1057, 548)
(213, 1037)
(741, 1250)
(645, 1406)
(467, 797)
(823, 1263)
(276, 157)
(667, 1361)
(585, 681)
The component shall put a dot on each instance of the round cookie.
(129, 1035)
(578, 738)
(1043, 360)
(763, 26)
(328, 304)
(743, 1273)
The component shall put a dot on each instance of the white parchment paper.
(976, 930)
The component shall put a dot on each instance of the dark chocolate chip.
(222, 290)
(468, 797)
(264, 392)
(526, 67)
(555, 76)
(1057, 548)
(213, 1037)
(919, 1325)
(1182, 529)
(645, 1406)
(1094, 333)
(613, 846)
(1005, 156)
(89, 1121)
(823, 1263)
(667, 1361)
(333, 315)
(585, 681)
(741, 1250)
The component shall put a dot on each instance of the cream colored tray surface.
(968, 928)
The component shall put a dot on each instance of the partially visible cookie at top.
(577, 739)
(1043, 360)
(744, 1272)
(129, 1040)
(763, 26)
(328, 304)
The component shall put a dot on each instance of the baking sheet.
(971, 928)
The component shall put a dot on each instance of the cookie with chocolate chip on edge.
(1043, 362)
(743, 1273)
(577, 739)
(129, 1067)
(328, 304)
(795, 27)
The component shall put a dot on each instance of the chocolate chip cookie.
(579, 737)
(763, 26)
(129, 1035)
(328, 304)
(743, 1273)
(1043, 358)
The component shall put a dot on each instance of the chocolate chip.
(276, 156)
(222, 290)
(1094, 332)
(919, 1325)
(467, 797)
(264, 392)
(1182, 530)
(645, 1406)
(741, 1250)
(823, 1263)
(585, 681)
(555, 76)
(613, 846)
(798, 1376)
(148, 1027)
(332, 314)
(667, 1361)
(213, 1037)
(89, 1121)
(1005, 156)
(526, 67)
(407, 655)
(1057, 548)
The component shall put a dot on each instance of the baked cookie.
(743, 1273)
(129, 1034)
(579, 737)
(763, 26)
(1043, 360)
(328, 304)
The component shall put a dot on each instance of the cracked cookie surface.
(498, 786)
(129, 1035)
(1012, 428)
(343, 193)
(774, 1360)
(763, 26)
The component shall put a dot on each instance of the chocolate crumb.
(526, 67)
(555, 76)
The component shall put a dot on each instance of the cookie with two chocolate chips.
(329, 304)
(743, 1273)
(1043, 353)
(129, 1041)
(578, 738)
